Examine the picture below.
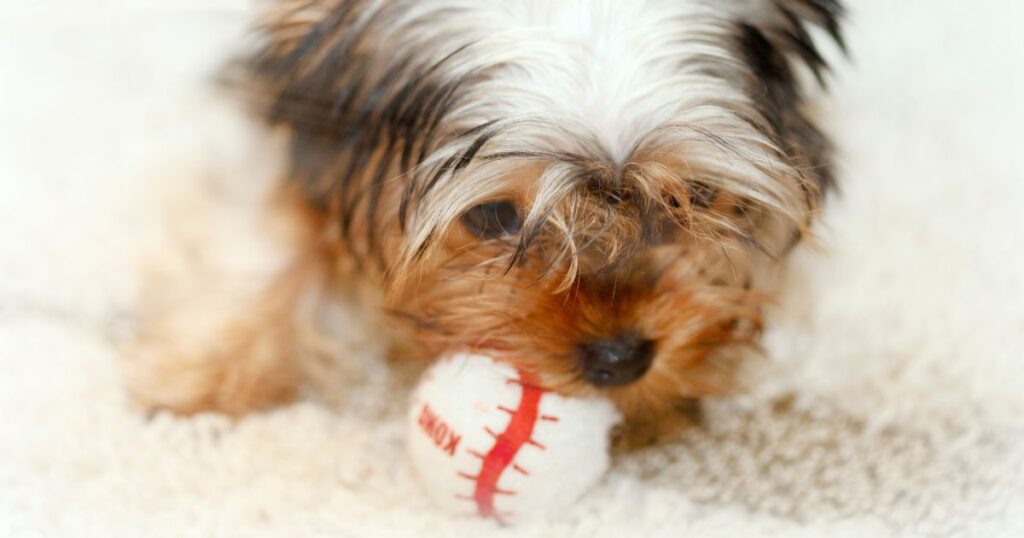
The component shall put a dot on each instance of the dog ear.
(308, 72)
(302, 69)
(362, 92)
(774, 38)
(784, 26)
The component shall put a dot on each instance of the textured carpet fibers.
(890, 400)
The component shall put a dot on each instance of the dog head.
(591, 189)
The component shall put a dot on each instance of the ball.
(484, 439)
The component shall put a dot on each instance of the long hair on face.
(621, 137)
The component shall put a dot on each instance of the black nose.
(615, 362)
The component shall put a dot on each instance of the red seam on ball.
(507, 444)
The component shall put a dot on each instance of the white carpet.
(891, 402)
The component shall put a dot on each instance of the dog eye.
(493, 219)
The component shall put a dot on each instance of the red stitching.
(517, 433)
(531, 383)
(464, 474)
(549, 418)
(516, 467)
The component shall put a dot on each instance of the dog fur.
(520, 177)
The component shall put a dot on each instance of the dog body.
(601, 191)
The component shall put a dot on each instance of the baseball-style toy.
(485, 439)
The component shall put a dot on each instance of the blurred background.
(891, 400)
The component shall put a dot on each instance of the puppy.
(601, 191)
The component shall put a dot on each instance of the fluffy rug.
(890, 401)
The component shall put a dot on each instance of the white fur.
(575, 64)
(604, 79)
(901, 340)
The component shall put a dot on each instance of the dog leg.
(219, 328)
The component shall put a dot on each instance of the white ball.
(484, 440)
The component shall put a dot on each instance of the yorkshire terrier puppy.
(602, 191)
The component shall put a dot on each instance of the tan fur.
(679, 243)
(245, 361)
(208, 343)
(213, 337)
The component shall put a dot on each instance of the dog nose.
(615, 362)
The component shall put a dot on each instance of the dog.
(603, 192)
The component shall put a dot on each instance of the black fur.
(772, 52)
(355, 123)
(359, 119)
